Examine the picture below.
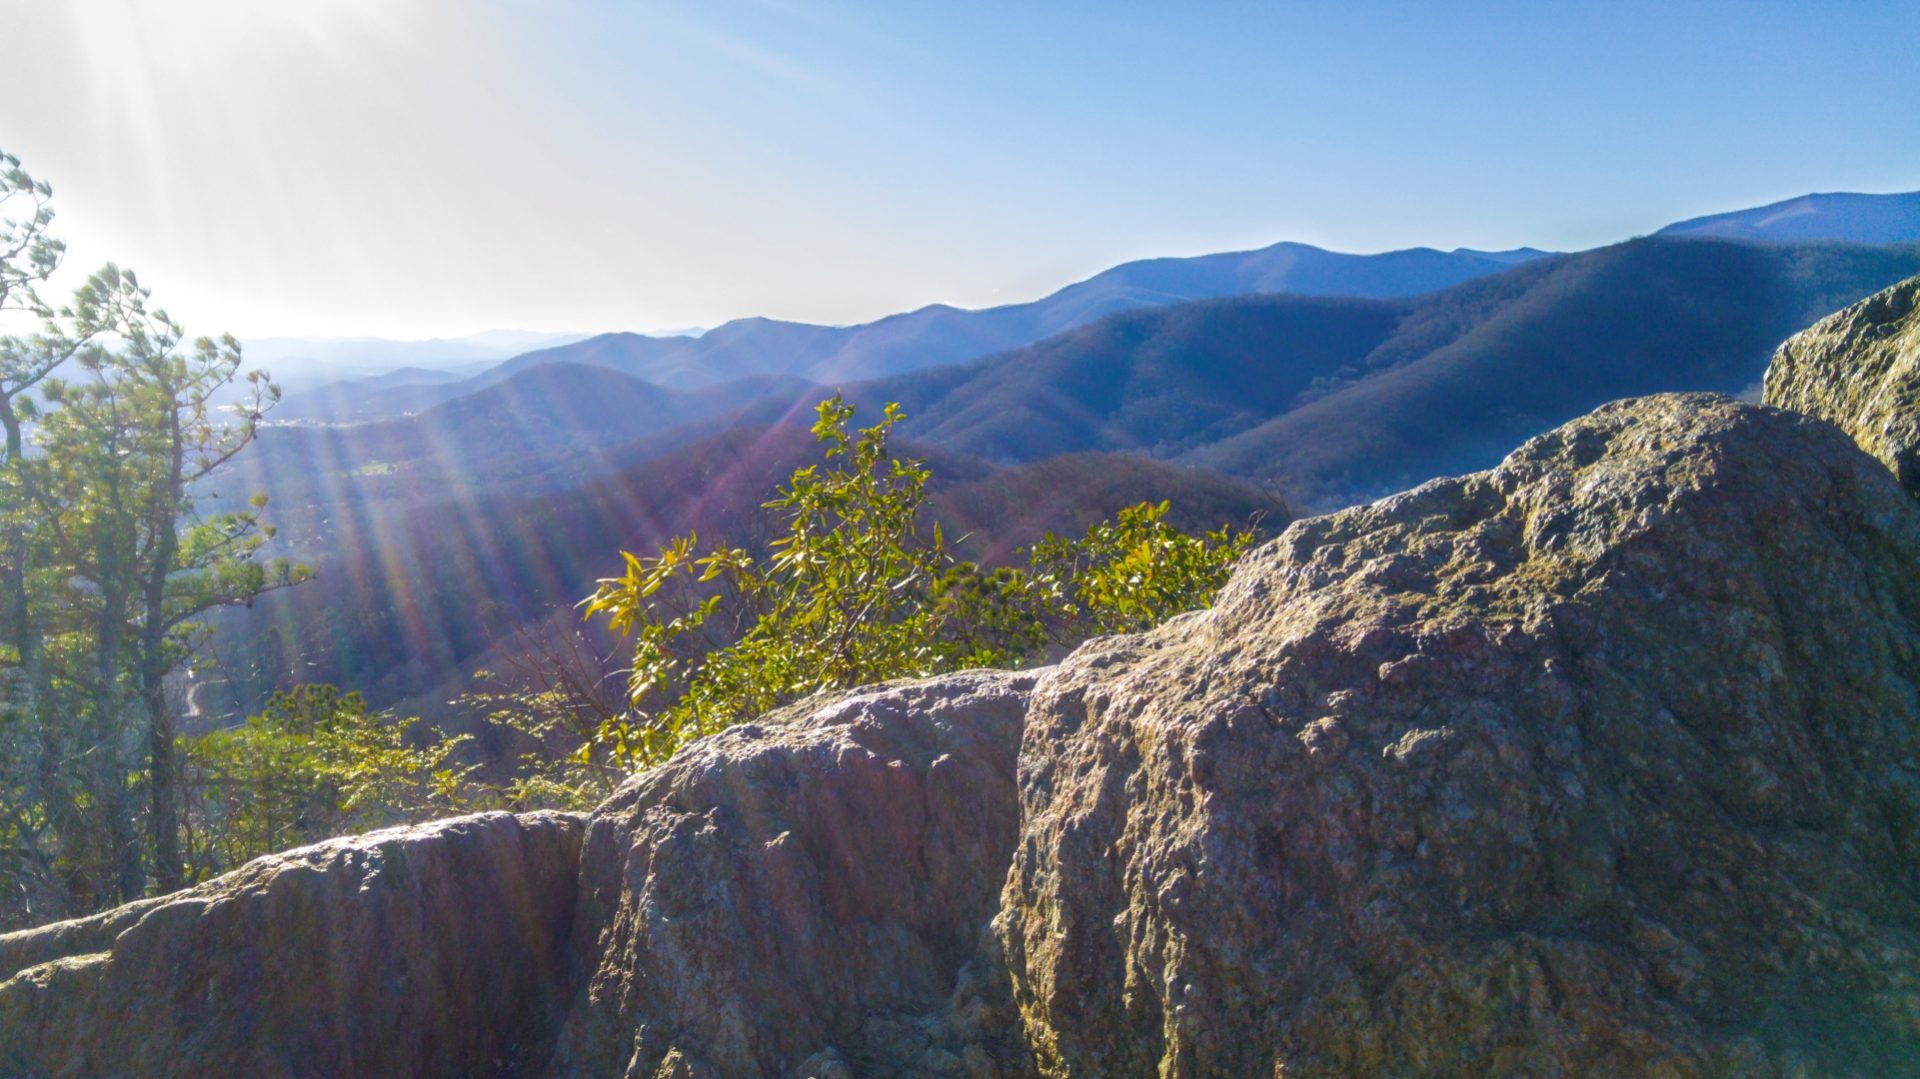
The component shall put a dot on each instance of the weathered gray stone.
(1606, 761)
(1859, 368)
(432, 950)
(1602, 762)
(807, 892)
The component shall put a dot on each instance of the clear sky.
(437, 167)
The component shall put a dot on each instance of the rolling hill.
(411, 596)
(1333, 401)
(940, 334)
(540, 429)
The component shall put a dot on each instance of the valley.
(443, 532)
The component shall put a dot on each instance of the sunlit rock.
(431, 950)
(1859, 368)
(1602, 762)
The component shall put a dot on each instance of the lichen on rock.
(1859, 369)
(1601, 762)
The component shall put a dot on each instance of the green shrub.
(858, 589)
(314, 763)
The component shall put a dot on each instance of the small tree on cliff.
(859, 589)
(124, 443)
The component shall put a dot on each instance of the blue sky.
(423, 167)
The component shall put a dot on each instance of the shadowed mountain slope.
(1338, 400)
(543, 427)
(1640, 318)
(941, 334)
(410, 594)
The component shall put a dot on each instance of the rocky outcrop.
(806, 895)
(1602, 762)
(1860, 369)
(434, 950)
(1605, 761)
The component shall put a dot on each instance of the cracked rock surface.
(1601, 762)
(795, 895)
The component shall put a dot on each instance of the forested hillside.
(412, 594)
(545, 427)
(939, 333)
(440, 534)
(1333, 401)
(1640, 318)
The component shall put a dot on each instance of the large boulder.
(432, 950)
(807, 894)
(1605, 761)
(1860, 369)
(1602, 762)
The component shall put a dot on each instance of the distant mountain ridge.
(940, 334)
(304, 362)
(532, 484)
(1338, 400)
(540, 426)
(1842, 216)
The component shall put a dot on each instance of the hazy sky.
(429, 167)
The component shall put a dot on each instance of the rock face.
(794, 896)
(1602, 762)
(1859, 368)
(1606, 761)
(434, 950)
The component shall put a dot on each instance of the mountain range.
(1336, 400)
(440, 532)
(938, 334)
(307, 362)
(1853, 218)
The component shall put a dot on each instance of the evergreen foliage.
(108, 558)
(114, 544)
(315, 763)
